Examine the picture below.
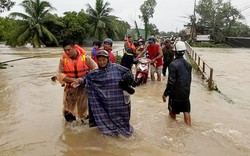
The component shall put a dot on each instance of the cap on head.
(179, 48)
(103, 53)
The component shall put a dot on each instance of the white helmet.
(179, 46)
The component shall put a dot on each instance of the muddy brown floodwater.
(31, 122)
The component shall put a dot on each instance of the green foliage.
(6, 5)
(219, 19)
(54, 26)
(171, 33)
(76, 27)
(38, 27)
(32, 27)
(163, 33)
(239, 30)
(18, 34)
(6, 27)
(120, 29)
(152, 29)
(183, 35)
(118, 58)
(100, 19)
(3, 66)
(147, 10)
(208, 44)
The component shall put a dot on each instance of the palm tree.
(32, 28)
(101, 20)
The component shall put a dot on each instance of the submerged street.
(32, 122)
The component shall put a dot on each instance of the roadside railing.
(118, 52)
(206, 70)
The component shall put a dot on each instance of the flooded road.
(231, 72)
(32, 123)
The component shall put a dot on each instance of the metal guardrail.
(206, 70)
(117, 51)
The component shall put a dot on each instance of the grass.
(3, 66)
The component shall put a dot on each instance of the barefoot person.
(178, 85)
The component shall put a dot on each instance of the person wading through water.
(155, 55)
(178, 85)
(73, 64)
(129, 44)
(109, 105)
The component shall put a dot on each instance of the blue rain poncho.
(107, 107)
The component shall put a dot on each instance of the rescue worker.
(74, 64)
(155, 54)
(128, 59)
(178, 85)
(107, 45)
(129, 44)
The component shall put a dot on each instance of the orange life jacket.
(131, 45)
(77, 69)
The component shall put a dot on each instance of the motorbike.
(142, 70)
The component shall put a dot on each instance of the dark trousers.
(165, 65)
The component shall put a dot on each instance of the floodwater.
(31, 121)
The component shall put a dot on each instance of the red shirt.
(153, 52)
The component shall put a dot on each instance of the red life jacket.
(77, 69)
(153, 53)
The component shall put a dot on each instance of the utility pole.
(193, 20)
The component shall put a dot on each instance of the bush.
(3, 66)
(118, 58)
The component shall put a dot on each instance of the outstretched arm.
(144, 50)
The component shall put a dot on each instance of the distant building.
(203, 38)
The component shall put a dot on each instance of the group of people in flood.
(98, 89)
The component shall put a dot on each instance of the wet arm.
(60, 72)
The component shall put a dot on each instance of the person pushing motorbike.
(155, 55)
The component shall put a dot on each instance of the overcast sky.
(170, 15)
